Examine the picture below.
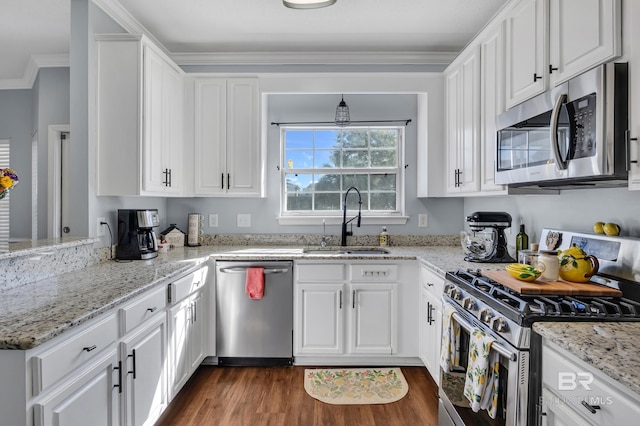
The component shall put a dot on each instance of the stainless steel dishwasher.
(254, 332)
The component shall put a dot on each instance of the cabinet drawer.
(573, 383)
(320, 272)
(143, 308)
(431, 281)
(72, 352)
(186, 285)
(374, 272)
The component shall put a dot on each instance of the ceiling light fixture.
(342, 113)
(307, 4)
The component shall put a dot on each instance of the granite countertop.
(34, 313)
(611, 347)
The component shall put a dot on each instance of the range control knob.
(500, 325)
(454, 293)
(468, 303)
(485, 315)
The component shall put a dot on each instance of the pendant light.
(342, 113)
(307, 4)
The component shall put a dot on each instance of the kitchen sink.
(345, 250)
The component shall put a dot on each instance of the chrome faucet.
(345, 233)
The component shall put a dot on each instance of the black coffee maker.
(136, 239)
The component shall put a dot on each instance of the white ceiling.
(41, 27)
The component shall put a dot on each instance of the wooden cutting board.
(563, 288)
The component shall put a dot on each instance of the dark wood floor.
(260, 396)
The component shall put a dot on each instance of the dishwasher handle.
(242, 270)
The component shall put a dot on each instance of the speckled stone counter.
(611, 347)
(34, 313)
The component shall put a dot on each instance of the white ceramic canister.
(549, 264)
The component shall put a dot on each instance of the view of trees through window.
(321, 164)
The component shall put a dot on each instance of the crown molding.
(314, 58)
(34, 64)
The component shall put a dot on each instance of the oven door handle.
(494, 346)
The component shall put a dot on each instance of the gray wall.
(444, 214)
(52, 106)
(574, 210)
(16, 112)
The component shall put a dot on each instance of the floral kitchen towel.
(483, 366)
(450, 351)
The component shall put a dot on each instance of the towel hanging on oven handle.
(497, 346)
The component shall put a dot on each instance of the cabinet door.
(143, 358)
(492, 104)
(162, 118)
(632, 9)
(90, 398)
(210, 150)
(244, 165)
(319, 317)
(557, 413)
(453, 126)
(197, 320)
(433, 323)
(526, 40)
(179, 361)
(577, 45)
(374, 318)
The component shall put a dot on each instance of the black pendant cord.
(405, 121)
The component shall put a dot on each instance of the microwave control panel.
(584, 118)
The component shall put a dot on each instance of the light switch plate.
(423, 220)
(244, 220)
(213, 220)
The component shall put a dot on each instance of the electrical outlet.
(213, 220)
(422, 220)
(244, 220)
(100, 228)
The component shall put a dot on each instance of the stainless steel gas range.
(507, 316)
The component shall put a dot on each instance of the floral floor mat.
(356, 385)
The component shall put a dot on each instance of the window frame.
(305, 217)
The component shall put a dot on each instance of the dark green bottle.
(522, 241)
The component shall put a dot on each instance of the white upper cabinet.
(582, 34)
(550, 41)
(138, 123)
(227, 147)
(491, 105)
(526, 42)
(462, 124)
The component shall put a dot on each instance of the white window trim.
(335, 218)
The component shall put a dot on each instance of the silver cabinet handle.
(119, 384)
(340, 295)
(353, 299)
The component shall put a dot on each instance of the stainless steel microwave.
(572, 136)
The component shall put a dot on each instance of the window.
(320, 164)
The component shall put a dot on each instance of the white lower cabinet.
(575, 393)
(186, 339)
(352, 309)
(91, 393)
(143, 355)
(432, 286)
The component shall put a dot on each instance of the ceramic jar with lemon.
(577, 266)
